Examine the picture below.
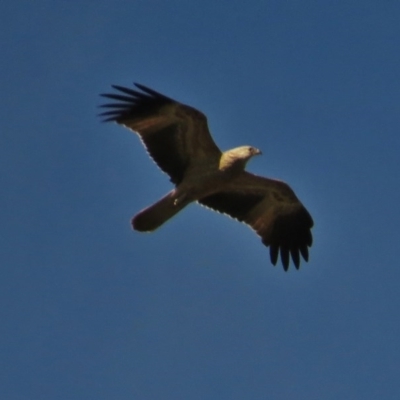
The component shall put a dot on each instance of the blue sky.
(91, 309)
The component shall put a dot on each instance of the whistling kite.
(177, 137)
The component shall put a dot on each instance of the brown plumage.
(176, 136)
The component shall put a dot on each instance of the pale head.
(246, 152)
(238, 157)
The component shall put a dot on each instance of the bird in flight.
(177, 138)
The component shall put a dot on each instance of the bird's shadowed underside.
(176, 136)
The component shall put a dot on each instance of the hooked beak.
(257, 152)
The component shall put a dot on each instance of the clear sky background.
(92, 310)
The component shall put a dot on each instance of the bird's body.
(177, 138)
(203, 179)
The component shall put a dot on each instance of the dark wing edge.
(133, 104)
(172, 133)
(270, 208)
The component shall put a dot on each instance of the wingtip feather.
(273, 254)
(285, 258)
(295, 257)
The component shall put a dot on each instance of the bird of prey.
(177, 137)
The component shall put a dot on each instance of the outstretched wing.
(272, 209)
(175, 135)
